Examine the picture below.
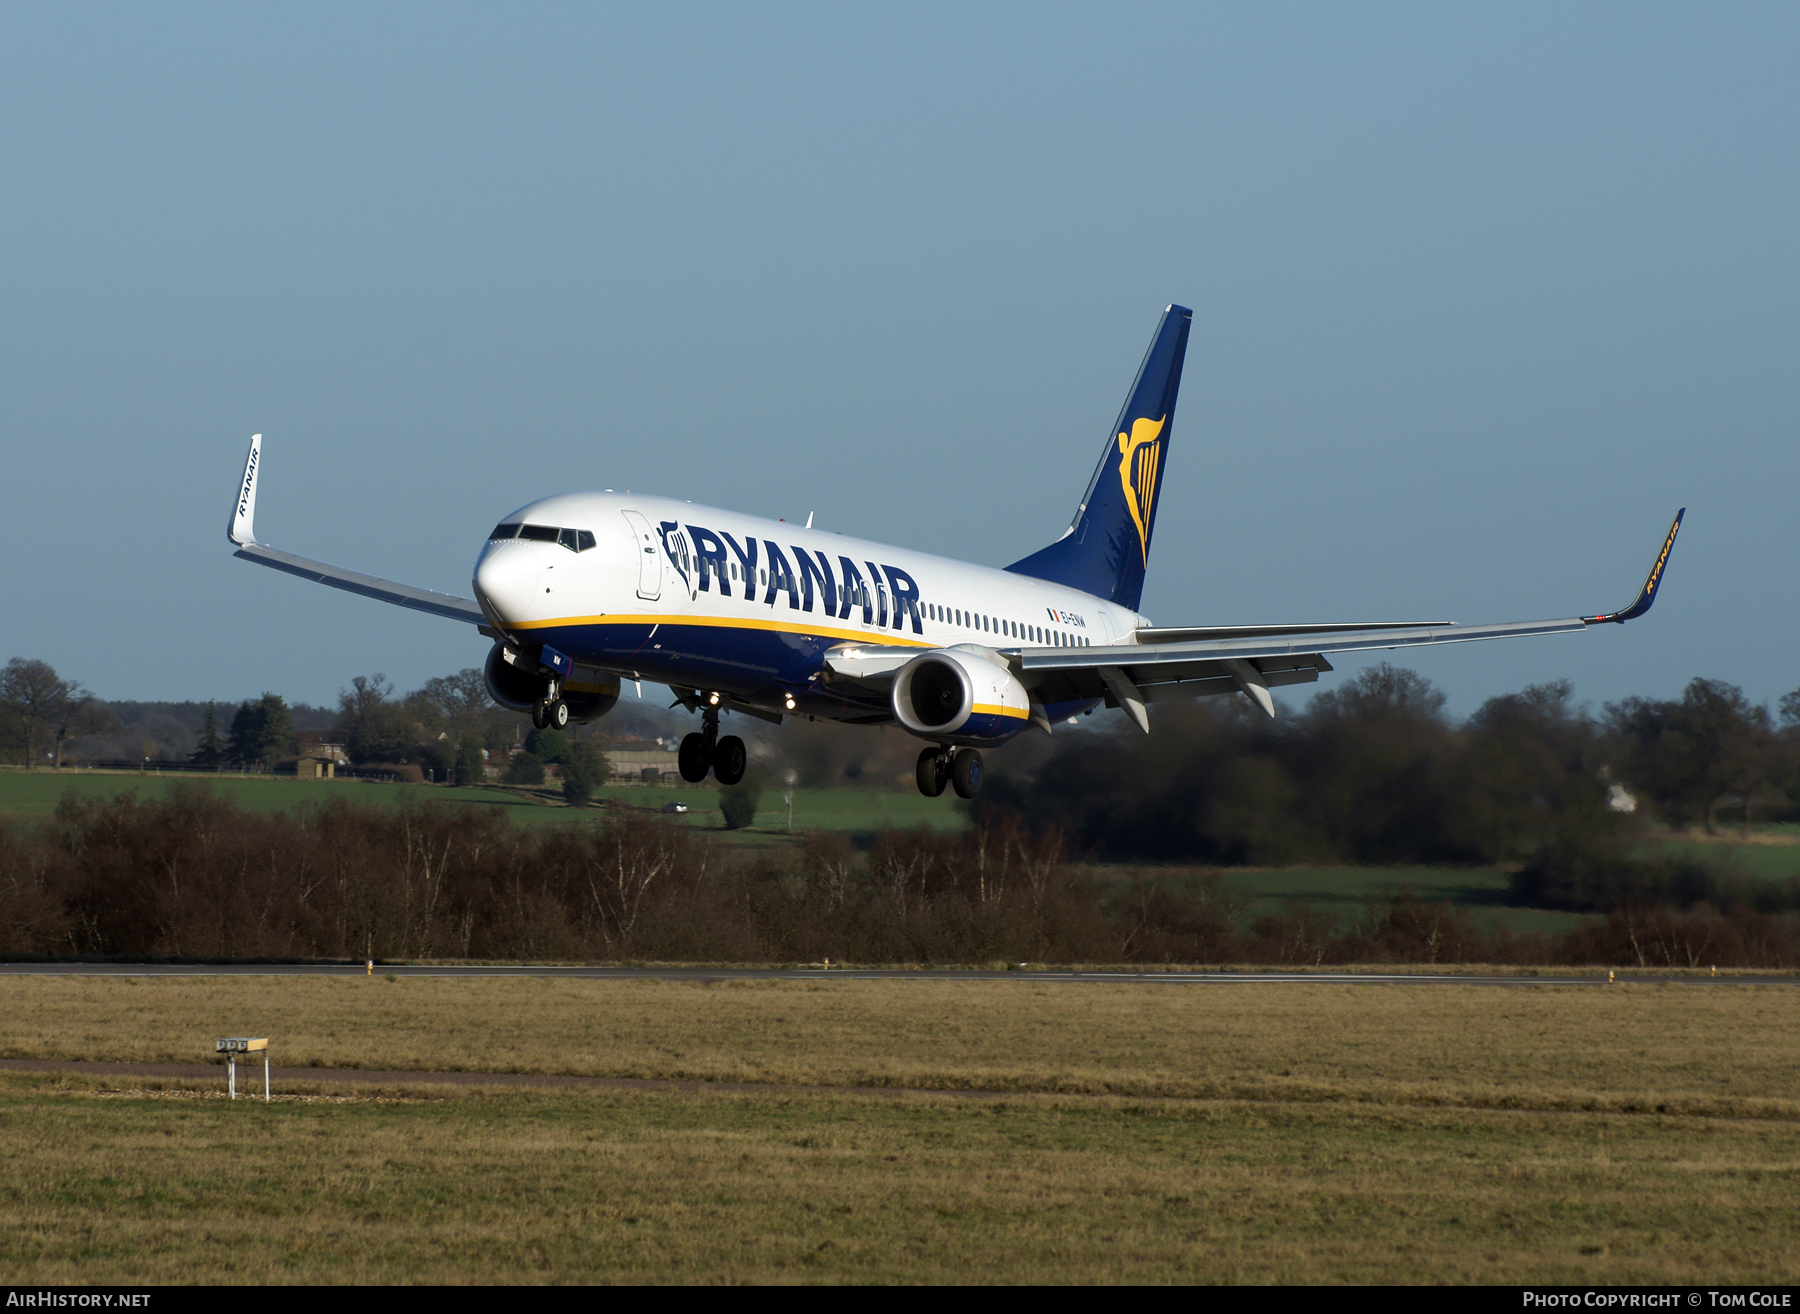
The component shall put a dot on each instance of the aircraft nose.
(507, 576)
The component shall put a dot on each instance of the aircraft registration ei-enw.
(767, 619)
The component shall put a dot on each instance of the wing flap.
(1140, 658)
(1180, 670)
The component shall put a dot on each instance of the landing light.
(790, 702)
(712, 700)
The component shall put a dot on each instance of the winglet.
(1647, 594)
(242, 527)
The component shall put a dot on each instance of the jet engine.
(513, 687)
(950, 693)
(588, 702)
(520, 688)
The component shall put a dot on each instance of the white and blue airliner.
(766, 619)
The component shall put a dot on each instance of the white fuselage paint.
(547, 593)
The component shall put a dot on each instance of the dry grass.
(1354, 1133)
(1724, 1050)
(710, 1188)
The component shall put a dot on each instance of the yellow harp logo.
(1139, 456)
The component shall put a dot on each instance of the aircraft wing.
(1255, 659)
(1161, 664)
(242, 532)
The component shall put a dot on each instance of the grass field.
(1635, 1133)
(1765, 861)
(1706, 1049)
(1344, 893)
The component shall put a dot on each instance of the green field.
(1765, 861)
(1345, 892)
(1318, 1133)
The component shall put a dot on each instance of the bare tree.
(460, 702)
(30, 698)
(78, 713)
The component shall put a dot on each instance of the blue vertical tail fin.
(1106, 548)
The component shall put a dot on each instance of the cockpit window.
(576, 540)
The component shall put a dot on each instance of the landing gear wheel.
(556, 715)
(932, 776)
(729, 760)
(693, 758)
(965, 772)
(537, 716)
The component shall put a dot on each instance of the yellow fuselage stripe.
(894, 637)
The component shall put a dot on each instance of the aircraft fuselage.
(697, 597)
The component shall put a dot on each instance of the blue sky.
(1481, 295)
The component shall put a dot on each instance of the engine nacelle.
(513, 687)
(953, 694)
(519, 688)
(589, 701)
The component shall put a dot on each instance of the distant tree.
(373, 728)
(456, 705)
(584, 769)
(261, 731)
(1382, 690)
(211, 750)
(32, 700)
(1684, 754)
(1530, 786)
(1790, 709)
(738, 802)
(471, 765)
(550, 746)
(78, 713)
(524, 769)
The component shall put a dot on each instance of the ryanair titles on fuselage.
(721, 567)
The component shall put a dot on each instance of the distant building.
(320, 761)
(648, 761)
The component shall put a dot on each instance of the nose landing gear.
(551, 712)
(960, 767)
(704, 751)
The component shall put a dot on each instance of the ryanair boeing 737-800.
(736, 614)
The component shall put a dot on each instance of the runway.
(1026, 975)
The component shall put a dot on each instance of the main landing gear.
(704, 750)
(960, 767)
(551, 712)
